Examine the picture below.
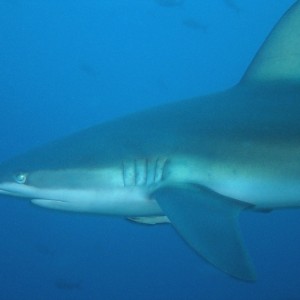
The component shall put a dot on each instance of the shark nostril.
(21, 178)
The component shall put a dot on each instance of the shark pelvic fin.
(279, 57)
(208, 222)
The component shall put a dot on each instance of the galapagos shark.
(196, 164)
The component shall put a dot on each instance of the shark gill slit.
(159, 170)
(143, 172)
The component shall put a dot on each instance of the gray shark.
(196, 164)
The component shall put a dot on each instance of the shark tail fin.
(279, 57)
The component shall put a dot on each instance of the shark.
(195, 164)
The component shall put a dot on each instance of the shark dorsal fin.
(279, 57)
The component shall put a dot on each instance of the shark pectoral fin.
(208, 222)
(152, 220)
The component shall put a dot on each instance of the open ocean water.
(67, 65)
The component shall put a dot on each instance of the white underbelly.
(261, 192)
(252, 185)
(113, 200)
(116, 202)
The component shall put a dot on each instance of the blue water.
(66, 65)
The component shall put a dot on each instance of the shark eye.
(21, 177)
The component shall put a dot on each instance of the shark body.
(195, 164)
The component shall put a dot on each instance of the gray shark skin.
(195, 164)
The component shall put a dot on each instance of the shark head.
(53, 177)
